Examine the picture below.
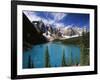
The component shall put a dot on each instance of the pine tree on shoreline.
(63, 59)
(30, 63)
(47, 58)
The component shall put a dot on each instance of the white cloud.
(59, 25)
(58, 16)
(69, 26)
(32, 16)
(48, 21)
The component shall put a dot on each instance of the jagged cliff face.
(71, 32)
(32, 33)
(39, 26)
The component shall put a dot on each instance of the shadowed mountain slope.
(30, 34)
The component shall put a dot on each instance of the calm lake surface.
(55, 51)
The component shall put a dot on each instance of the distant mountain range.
(37, 32)
(68, 31)
(74, 31)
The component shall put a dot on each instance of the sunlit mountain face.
(60, 19)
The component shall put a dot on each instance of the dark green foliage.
(63, 59)
(72, 41)
(30, 63)
(47, 58)
(83, 42)
(84, 56)
(77, 61)
(71, 60)
(85, 39)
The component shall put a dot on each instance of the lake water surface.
(55, 50)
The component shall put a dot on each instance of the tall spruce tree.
(47, 58)
(30, 63)
(63, 59)
(32, 66)
(70, 60)
(84, 56)
(77, 60)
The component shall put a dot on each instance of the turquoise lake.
(55, 51)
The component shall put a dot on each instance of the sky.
(59, 19)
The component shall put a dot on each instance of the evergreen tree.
(83, 39)
(77, 61)
(47, 58)
(30, 63)
(70, 60)
(63, 59)
(32, 66)
(84, 57)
